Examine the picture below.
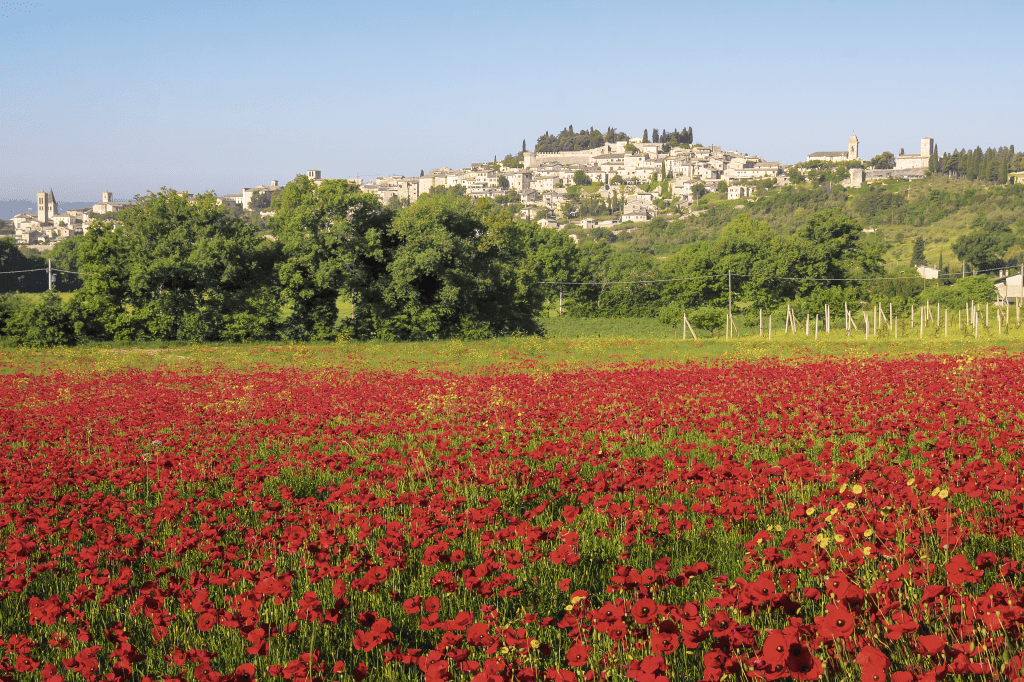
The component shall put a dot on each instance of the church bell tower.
(854, 148)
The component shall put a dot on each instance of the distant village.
(541, 182)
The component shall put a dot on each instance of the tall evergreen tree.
(917, 256)
(654, 135)
(646, 139)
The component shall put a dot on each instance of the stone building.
(851, 154)
(916, 161)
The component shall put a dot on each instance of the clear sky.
(133, 96)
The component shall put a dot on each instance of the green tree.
(917, 255)
(503, 182)
(672, 314)
(646, 139)
(176, 267)
(580, 177)
(983, 248)
(330, 235)
(47, 323)
(445, 268)
(723, 187)
(884, 161)
(260, 201)
(830, 249)
(795, 176)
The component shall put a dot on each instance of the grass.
(568, 344)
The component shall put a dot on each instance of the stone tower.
(853, 148)
(108, 197)
(927, 146)
(46, 206)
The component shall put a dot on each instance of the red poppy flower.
(206, 621)
(838, 622)
(874, 665)
(577, 655)
(644, 611)
(663, 643)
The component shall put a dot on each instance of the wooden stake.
(769, 327)
(815, 326)
(807, 325)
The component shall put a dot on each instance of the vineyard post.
(684, 327)
(815, 326)
(911, 315)
(846, 309)
(922, 324)
(692, 333)
(975, 322)
(938, 308)
(769, 327)
(986, 316)
(867, 327)
(890, 314)
(807, 325)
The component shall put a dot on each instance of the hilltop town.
(629, 180)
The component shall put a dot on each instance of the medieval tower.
(853, 148)
(46, 206)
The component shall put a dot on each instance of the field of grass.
(568, 343)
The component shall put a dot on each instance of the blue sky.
(131, 96)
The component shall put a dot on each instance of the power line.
(796, 279)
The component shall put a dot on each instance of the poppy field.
(823, 518)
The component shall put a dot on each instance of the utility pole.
(730, 293)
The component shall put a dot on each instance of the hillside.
(938, 209)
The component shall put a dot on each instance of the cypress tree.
(646, 139)
(654, 135)
(917, 256)
(524, 144)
